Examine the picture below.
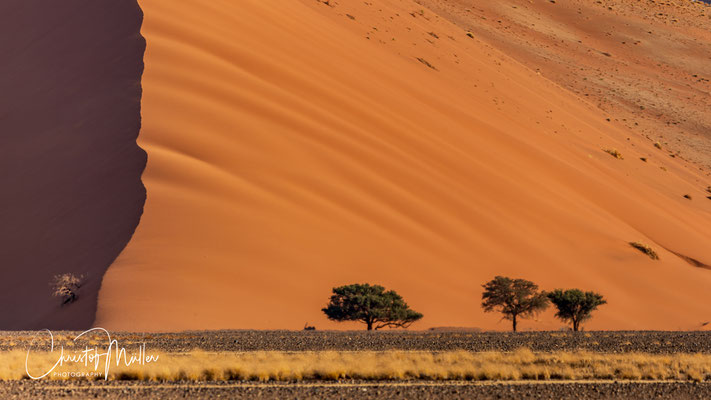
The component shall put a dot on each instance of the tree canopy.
(575, 306)
(370, 304)
(513, 298)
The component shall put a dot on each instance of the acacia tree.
(66, 287)
(370, 304)
(575, 306)
(513, 298)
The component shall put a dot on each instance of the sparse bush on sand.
(66, 286)
(645, 249)
(522, 364)
(615, 153)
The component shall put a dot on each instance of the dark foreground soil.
(607, 342)
(353, 390)
(603, 341)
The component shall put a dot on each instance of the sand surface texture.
(647, 64)
(294, 146)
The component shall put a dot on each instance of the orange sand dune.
(294, 146)
(646, 63)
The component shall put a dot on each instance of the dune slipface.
(69, 116)
(294, 146)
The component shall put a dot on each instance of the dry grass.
(645, 249)
(615, 153)
(330, 365)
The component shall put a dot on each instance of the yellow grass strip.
(367, 365)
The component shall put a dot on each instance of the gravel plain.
(354, 390)
(247, 340)
(655, 342)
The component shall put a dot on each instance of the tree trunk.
(576, 324)
(513, 320)
(370, 325)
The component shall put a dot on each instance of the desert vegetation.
(519, 298)
(513, 298)
(615, 153)
(66, 287)
(522, 364)
(575, 306)
(645, 249)
(370, 304)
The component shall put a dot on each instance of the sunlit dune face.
(294, 146)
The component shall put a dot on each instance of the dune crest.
(294, 146)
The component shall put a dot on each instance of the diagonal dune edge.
(294, 146)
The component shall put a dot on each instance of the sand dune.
(647, 64)
(294, 146)
(70, 167)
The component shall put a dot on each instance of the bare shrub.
(645, 249)
(66, 286)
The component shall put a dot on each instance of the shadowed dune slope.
(294, 146)
(69, 116)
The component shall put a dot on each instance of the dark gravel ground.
(608, 342)
(382, 390)
(600, 341)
